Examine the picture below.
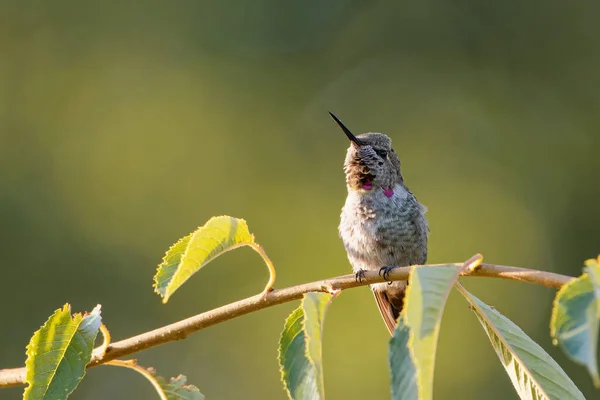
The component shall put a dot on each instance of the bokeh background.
(125, 125)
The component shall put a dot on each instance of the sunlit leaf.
(426, 297)
(592, 267)
(175, 389)
(192, 252)
(404, 374)
(58, 353)
(574, 322)
(170, 263)
(300, 348)
(534, 374)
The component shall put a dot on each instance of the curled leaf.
(194, 251)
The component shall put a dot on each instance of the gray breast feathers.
(378, 231)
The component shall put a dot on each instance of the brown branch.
(180, 330)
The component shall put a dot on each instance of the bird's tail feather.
(390, 302)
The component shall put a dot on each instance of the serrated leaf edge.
(279, 352)
(164, 259)
(76, 318)
(306, 338)
(481, 314)
(151, 375)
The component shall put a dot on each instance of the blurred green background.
(125, 125)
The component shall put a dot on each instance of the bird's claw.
(385, 273)
(360, 274)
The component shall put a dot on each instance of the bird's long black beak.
(350, 135)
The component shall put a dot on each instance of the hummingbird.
(382, 224)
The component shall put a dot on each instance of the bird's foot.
(385, 273)
(360, 274)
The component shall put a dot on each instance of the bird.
(382, 224)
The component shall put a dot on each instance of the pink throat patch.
(388, 192)
(367, 185)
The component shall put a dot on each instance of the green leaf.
(404, 374)
(300, 348)
(175, 389)
(426, 297)
(534, 374)
(592, 267)
(192, 252)
(574, 322)
(171, 260)
(58, 353)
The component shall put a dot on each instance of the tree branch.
(181, 329)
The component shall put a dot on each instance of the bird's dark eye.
(381, 153)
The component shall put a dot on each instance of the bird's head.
(371, 161)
